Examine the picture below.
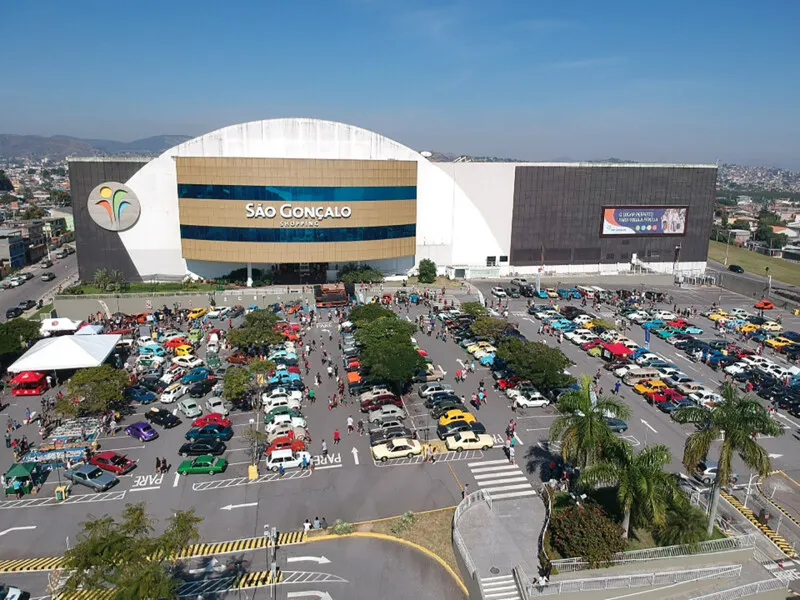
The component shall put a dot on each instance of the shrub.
(239, 276)
(342, 527)
(427, 271)
(685, 525)
(586, 531)
(406, 522)
(353, 273)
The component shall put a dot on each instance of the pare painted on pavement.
(334, 458)
(150, 481)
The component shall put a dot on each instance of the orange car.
(293, 309)
(176, 342)
(764, 305)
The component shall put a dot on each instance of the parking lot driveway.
(370, 568)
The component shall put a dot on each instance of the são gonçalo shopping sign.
(287, 211)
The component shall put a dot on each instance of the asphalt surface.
(36, 289)
(347, 484)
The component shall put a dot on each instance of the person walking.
(350, 425)
(337, 437)
(511, 455)
(324, 448)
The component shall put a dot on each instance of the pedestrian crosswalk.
(501, 479)
(500, 587)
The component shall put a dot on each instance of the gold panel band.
(295, 172)
(269, 253)
(233, 213)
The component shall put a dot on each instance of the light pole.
(749, 483)
(727, 245)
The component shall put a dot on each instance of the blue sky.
(671, 81)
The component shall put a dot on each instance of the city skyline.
(684, 84)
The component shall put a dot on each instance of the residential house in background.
(12, 250)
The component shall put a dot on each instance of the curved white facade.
(450, 228)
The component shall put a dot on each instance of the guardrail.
(524, 583)
(750, 589)
(709, 547)
(461, 547)
(469, 500)
(633, 580)
(548, 500)
(458, 541)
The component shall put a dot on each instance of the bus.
(586, 291)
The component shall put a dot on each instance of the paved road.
(36, 288)
(348, 485)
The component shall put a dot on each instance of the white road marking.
(646, 424)
(775, 455)
(442, 370)
(310, 593)
(127, 448)
(355, 454)
(461, 362)
(144, 489)
(328, 467)
(177, 479)
(21, 528)
(320, 560)
(516, 437)
(232, 506)
(538, 429)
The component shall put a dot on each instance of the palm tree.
(581, 426)
(644, 489)
(684, 525)
(738, 419)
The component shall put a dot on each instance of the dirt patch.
(438, 284)
(431, 530)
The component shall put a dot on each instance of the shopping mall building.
(303, 197)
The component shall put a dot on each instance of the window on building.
(610, 256)
(503, 259)
(624, 256)
(626, 242)
(653, 254)
(491, 261)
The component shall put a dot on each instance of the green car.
(666, 333)
(195, 336)
(203, 465)
(281, 410)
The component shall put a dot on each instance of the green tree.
(7, 199)
(427, 271)
(257, 331)
(125, 555)
(26, 193)
(581, 425)
(98, 390)
(237, 384)
(389, 329)
(585, 531)
(33, 212)
(102, 279)
(741, 224)
(16, 336)
(737, 420)
(60, 198)
(364, 314)
(475, 309)
(683, 525)
(644, 489)
(5, 183)
(392, 360)
(260, 369)
(537, 362)
(489, 327)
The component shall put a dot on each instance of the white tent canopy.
(66, 352)
(60, 324)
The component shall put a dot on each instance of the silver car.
(387, 410)
(92, 477)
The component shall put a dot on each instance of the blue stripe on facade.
(295, 194)
(287, 236)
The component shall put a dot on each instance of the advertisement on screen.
(644, 220)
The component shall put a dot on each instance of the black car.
(527, 291)
(13, 313)
(756, 320)
(736, 269)
(436, 399)
(379, 436)
(236, 311)
(26, 304)
(162, 417)
(48, 276)
(202, 447)
(201, 388)
(570, 312)
(512, 292)
(786, 399)
(445, 431)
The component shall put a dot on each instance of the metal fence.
(461, 548)
(710, 547)
(548, 506)
(469, 500)
(751, 589)
(634, 580)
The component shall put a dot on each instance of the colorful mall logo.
(114, 206)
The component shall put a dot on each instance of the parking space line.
(216, 484)
(144, 489)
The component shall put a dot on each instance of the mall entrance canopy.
(66, 352)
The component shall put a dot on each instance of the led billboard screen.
(644, 220)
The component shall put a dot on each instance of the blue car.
(542, 294)
(654, 324)
(284, 378)
(195, 375)
(210, 432)
(488, 360)
(575, 294)
(153, 350)
(140, 394)
(561, 324)
(564, 294)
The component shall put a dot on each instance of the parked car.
(217, 405)
(445, 431)
(203, 465)
(162, 417)
(388, 410)
(706, 472)
(92, 477)
(211, 431)
(286, 457)
(143, 432)
(140, 394)
(190, 408)
(112, 462)
(396, 448)
(469, 440)
(202, 447)
(201, 388)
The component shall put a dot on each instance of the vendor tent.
(90, 330)
(612, 351)
(66, 352)
(28, 377)
(60, 325)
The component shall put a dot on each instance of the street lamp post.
(749, 484)
(727, 245)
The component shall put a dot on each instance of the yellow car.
(719, 315)
(479, 346)
(551, 293)
(778, 342)
(456, 415)
(396, 448)
(469, 440)
(184, 350)
(196, 313)
(749, 328)
(772, 327)
(650, 387)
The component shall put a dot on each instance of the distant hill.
(58, 147)
(449, 157)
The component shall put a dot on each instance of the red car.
(591, 344)
(294, 369)
(508, 383)
(211, 419)
(285, 442)
(679, 323)
(175, 342)
(288, 326)
(666, 395)
(112, 462)
(764, 305)
(383, 400)
(239, 358)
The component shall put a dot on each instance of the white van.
(287, 458)
(586, 291)
(636, 376)
(213, 344)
